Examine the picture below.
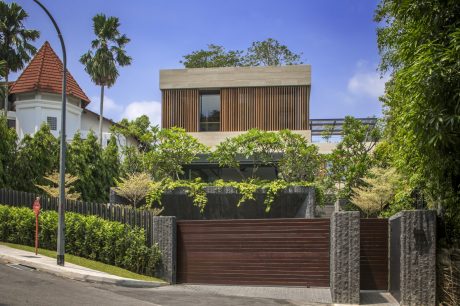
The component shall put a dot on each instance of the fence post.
(344, 257)
(164, 234)
(413, 257)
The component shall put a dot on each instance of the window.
(12, 123)
(52, 122)
(210, 111)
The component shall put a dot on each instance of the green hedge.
(90, 237)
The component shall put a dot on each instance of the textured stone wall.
(345, 252)
(164, 234)
(417, 257)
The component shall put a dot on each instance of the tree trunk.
(101, 115)
(5, 105)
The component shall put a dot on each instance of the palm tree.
(15, 48)
(106, 53)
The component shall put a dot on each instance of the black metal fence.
(118, 213)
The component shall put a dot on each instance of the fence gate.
(254, 252)
(374, 254)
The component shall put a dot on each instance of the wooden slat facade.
(266, 108)
(288, 252)
(181, 108)
(374, 254)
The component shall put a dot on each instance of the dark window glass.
(52, 122)
(210, 111)
(12, 123)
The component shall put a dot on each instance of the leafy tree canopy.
(214, 56)
(419, 43)
(269, 52)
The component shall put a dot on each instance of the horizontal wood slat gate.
(374, 254)
(254, 252)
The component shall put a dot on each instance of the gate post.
(344, 257)
(413, 257)
(164, 234)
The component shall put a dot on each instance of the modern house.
(215, 103)
(35, 98)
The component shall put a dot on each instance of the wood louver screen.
(180, 107)
(265, 108)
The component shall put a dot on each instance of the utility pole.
(62, 153)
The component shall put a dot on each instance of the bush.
(90, 237)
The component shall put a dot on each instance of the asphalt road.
(22, 286)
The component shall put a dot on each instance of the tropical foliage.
(134, 187)
(53, 189)
(90, 237)
(269, 52)
(15, 47)
(419, 43)
(106, 54)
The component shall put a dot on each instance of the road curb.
(117, 281)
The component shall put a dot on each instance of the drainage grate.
(21, 267)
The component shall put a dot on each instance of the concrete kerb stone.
(81, 276)
(345, 257)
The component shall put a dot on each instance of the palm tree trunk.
(101, 115)
(5, 105)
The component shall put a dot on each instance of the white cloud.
(150, 108)
(112, 110)
(368, 84)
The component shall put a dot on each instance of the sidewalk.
(48, 264)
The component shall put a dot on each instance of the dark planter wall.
(294, 202)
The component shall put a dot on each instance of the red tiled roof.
(44, 73)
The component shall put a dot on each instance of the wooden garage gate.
(374, 254)
(254, 252)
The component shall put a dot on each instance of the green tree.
(111, 164)
(37, 156)
(8, 153)
(256, 145)
(171, 149)
(15, 47)
(214, 56)
(351, 160)
(378, 190)
(134, 187)
(138, 128)
(85, 161)
(270, 52)
(419, 43)
(106, 54)
(53, 190)
(300, 161)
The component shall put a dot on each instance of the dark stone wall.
(345, 257)
(165, 235)
(417, 236)
(294, 202)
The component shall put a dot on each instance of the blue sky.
(338, 38)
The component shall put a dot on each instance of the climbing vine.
(247, 189)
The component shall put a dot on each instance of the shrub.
(90, 237)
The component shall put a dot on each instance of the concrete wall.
(417, 258)
(32, 111)
(235, 77)
(345, 257)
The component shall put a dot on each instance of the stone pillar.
(417, 257)
(307, 210)
(345, 252)
(164, 234)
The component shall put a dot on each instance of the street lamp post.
(62, 153)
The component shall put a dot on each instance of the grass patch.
(87, 263)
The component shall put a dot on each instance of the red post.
(36, 208)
